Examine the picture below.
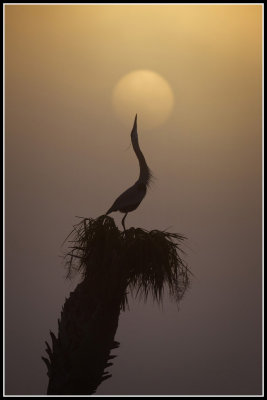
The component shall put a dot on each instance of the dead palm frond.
(148, 261)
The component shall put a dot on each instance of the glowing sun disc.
(146, 93)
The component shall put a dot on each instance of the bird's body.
(132, 197)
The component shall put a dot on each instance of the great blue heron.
(132, 197)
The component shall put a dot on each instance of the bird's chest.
(140, 191)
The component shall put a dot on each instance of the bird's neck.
(145, 174)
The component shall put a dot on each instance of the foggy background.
(66, 155)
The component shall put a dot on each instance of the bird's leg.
(123, 221)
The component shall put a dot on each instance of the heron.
(132, 197)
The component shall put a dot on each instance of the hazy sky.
(66, 156)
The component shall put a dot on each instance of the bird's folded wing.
(128, 199)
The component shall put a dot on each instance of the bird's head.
(134, 130)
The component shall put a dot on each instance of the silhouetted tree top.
(148, 261)
(111, 263)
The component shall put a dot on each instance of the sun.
(146, 93)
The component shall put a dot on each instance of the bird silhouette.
(132, 197)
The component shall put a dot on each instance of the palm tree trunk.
(81, 351)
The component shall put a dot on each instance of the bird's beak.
(135, 124)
